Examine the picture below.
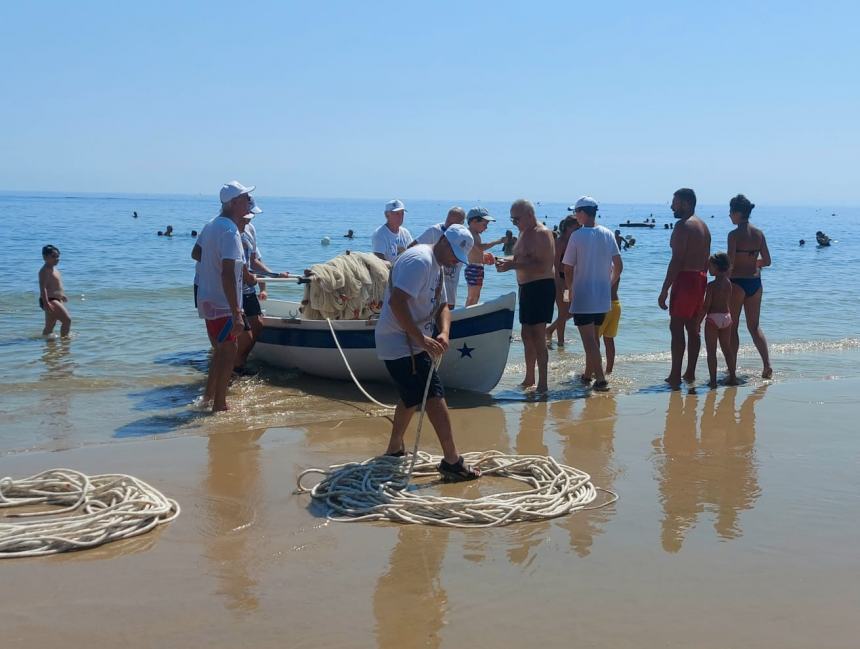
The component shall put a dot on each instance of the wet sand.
(737, 526)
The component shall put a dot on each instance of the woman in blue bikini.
(748, 252)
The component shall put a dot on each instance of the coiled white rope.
(99, 508)
(349, 369)
(376, 490)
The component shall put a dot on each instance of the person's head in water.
(719, 263)
(802, 242)
(684, 203)
(740, 209)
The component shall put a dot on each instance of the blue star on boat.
(465, 350)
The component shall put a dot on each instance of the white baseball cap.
(585, 201)
(395, 206)
(234, 189)
(461, 241)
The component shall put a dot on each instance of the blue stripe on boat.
(302, 337)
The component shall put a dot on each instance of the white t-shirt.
(590, 252)
(431, 236)
(416, 272)
(249, 253)
(219, 240)
(388, 244)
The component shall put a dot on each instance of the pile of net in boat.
(349, 287)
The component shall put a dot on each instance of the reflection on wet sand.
(234, 493)
(54, 407)
(410, 603)
(715, 472)
(588, 445)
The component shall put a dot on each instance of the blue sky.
(549, 100)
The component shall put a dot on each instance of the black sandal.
(457, 472)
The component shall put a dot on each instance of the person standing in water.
(568, 226)
(52, 298)
(748, 253)
(718, 318)
(477, 220)
(533, 261)
(687, 277)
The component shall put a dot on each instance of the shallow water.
(138, 353)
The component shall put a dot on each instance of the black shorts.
(410, 385)
(537, 301)
(251, 305)
(581, 319)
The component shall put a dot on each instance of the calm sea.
(138, 353)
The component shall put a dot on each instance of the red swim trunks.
(688, 294)
(219, 329)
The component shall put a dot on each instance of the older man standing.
(219, 295)
(405, 340)
(391, 238)
(533, 260)
(687, 276)
(456, 216)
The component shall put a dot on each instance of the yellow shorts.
(609, 328)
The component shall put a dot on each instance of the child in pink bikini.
(716, 310)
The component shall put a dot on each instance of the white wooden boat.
(480, 341)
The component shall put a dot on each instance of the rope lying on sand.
(376, 490)
(106, 508)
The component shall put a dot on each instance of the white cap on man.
(395, 206)
(461, 241)
(234, 189)
(585, 201)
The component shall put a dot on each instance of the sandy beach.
(734, 525)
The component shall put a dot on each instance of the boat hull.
(476, 359)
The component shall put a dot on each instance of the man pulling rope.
(414, 295)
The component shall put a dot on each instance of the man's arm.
(43, 290)
(399, 302)
(443, 321)
(679, 244)
(617, 268)
(228, 285)
(196, 252)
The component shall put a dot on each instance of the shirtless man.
(533, 261)
(687, 277)
(52, 299)
(478, 219)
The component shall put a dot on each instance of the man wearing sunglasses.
(220, 258)
(533, 260)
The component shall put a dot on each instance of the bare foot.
(732, 380)
(674, 382)
(712, 383)
(689, 378)
(525, 385)
(542, 389)
(767, 373)
(221, 407)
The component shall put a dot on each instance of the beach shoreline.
(713, 534)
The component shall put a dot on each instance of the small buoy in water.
(325, 241)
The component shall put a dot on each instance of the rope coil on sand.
(376, 489)
(102, 508)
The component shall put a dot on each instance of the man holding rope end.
(416, 300)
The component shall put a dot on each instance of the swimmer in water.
(52, 298)
(349, 234)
